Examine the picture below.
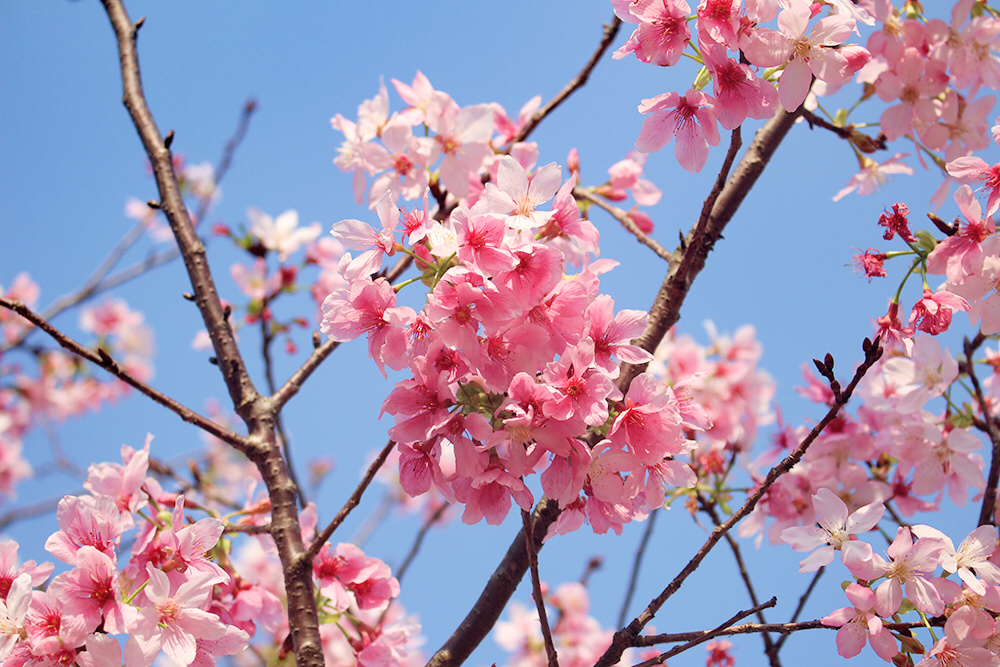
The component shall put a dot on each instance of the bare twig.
(636, 564)
(610, 32)
(102, 359)
(28, 511)
(351, 503)
(424, 529)
(801, 605)
(626, 637)
(770, 648)
(784, 628)
(626, 221)
(536, 591)
(987, 513)
(708, 634)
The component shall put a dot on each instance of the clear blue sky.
(69, 158)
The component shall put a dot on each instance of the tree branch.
(102, 359)
(351, 503)
(987, 512)
(536, 591)
(626, 222)
(708, 634)
(256, 411)
(610, 32)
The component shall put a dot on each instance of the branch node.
(188, 296)
(168, 140)
(317, 341)
(139, 23)
(214, 361)
(153, 204)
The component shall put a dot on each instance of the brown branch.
(536, 591)
(988, 511)
(708, 634)
(626, 637)
(610, 32)
(801, 605)
(424, 529)
(770, 649)
(636, 564)
(784, 628)
(256, 411)
(102, 359)
(351, 503)
(29, 511)
(626, 221)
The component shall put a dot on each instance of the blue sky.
(69, 158)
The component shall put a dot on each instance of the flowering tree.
(519, 387)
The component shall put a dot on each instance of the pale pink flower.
(12, 614)
(837, 530)
(357, 235)
(255, 282)
(172, 620)
(960, 255)
(910, 564)
(804, 55)
(873, 175)
(282, 234)
(85, 521)
(517, 199)
(691, 119)
(463, 136)
(971, 561)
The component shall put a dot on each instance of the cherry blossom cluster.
(907, 575)
(179, 592)
(512, 360)
(927, 72)
(44, 384)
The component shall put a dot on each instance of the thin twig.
(769, 646)
(802, 603)
(783, 628)
(987, 513)
(29, 511)
(610, 32)
(626, 221)
(424, 529)
(636, 564)
(352, 502)
(267, 337)
(100, 282)
(536, 591)
(708, 634)
(102, 359)
(626, 637)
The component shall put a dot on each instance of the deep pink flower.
(897, 223)
(933, 312)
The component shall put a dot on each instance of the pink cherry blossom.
(858, 625)
(836, 531)
(689, 119)
(282, 234)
